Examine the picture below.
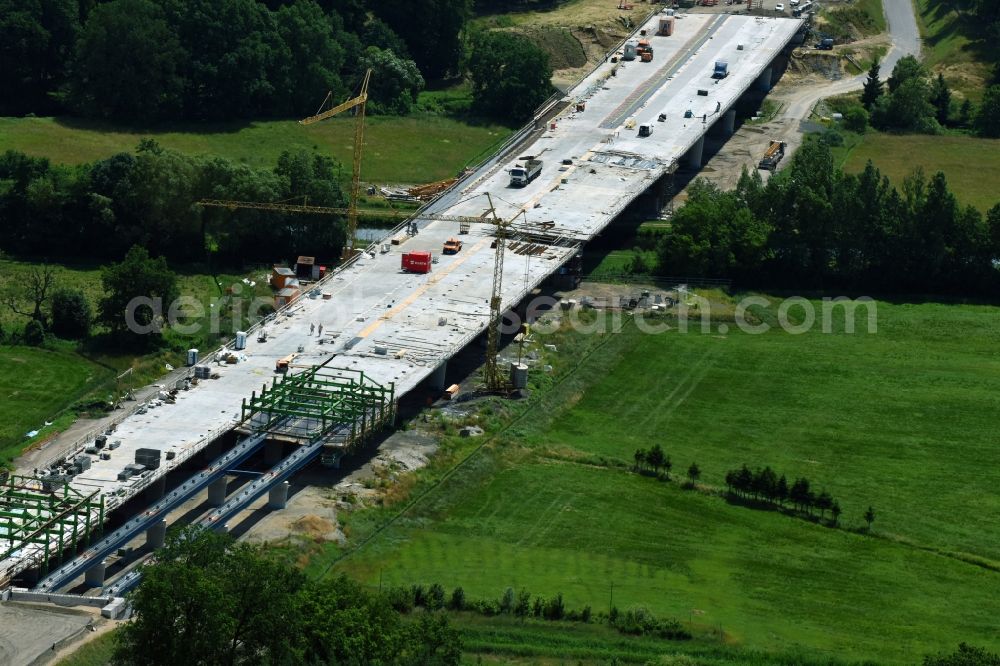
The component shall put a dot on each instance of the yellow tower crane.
(359, 138)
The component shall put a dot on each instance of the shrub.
(457, 601)
(400, 598)
(71, 314)
(435, 597)
(34, 333)
(555, 608)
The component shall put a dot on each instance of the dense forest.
(98, 211)
(144, 61)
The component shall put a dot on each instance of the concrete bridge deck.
(400, 327)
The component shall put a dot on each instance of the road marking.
(434, 279)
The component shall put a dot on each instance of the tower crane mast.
(359, 138)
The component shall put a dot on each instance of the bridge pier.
(156, 535)
(277, 497)
(95, 575)
(728, 122)
(437, 377)
(272, 452)
(217, 491)
(695, 153)
(764, 80)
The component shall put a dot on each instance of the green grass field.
(903, 420)
(414, 149)
(94, 653)
(970, 164)
(38, 385)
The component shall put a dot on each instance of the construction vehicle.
(281, 365)
(452, 246)
(721, 70)
(825, 44)
(774, 153)
(644, 50)
(358, 104)
(417, 261)
(805, 8)
(525, 170)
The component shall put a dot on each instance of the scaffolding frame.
(340, 405)
(48, 514)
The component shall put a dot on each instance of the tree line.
(911, 100)
(814, 226)
(208, 599)
(764, 485)
(760, 485)
(96, 212)
(520, 604)
(143, 61)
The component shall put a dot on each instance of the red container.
(417, 262)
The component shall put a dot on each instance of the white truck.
(525, 170)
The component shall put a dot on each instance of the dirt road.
(798, 96)
(799, 101)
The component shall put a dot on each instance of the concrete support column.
(437, 377)
(694, 155)
(157, 488)
(278, 496)
(217, 491)
(729, 122)
(764, 81)
(95, 575)
(272, 452)
(156, 535)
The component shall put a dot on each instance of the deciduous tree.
(130, 286)
(510, 76)
(71, 314)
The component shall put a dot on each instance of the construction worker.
(312, 327)
(320, 330)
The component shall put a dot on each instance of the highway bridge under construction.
(369, 333)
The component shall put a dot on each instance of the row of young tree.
(208, 599)
(637, 621)
(814, 226)
(911, 100)
(764, 485)
(98, 211)
(142, 61)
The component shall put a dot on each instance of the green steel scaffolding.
(342, 406)
(41, 518)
